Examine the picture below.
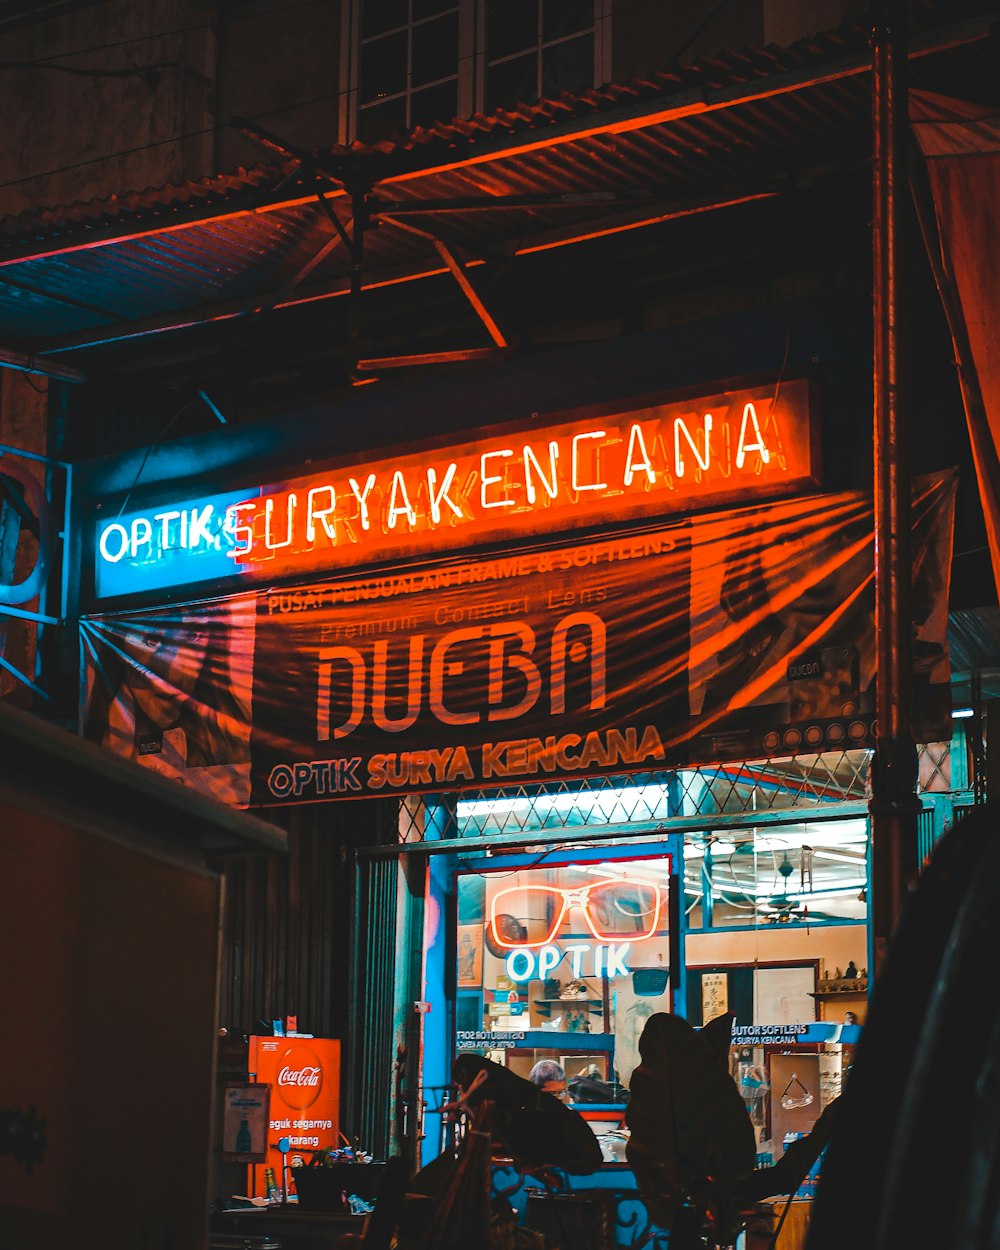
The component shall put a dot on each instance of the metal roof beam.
(578, 232)
(378, 363)
(458, 272)
(35, 364)
(490, 203)
(285, 294)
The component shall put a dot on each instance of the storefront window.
(812, 873)
(564, 964)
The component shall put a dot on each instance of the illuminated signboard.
(525, 964)
(550, 476)
(169, 546)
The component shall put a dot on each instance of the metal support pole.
(894, 803)
(360, 212)
(707, 899)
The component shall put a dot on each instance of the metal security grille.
(641, 802)
(926, 833)
(374, 986)
(635, 803)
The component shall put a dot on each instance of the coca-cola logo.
(300, 1077)
(304, 1076)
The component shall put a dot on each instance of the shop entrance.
(560, 953)
(561, 957)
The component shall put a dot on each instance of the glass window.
(578, 952)
(512, 82)
(435, 50)
(378, 16)
(566, 17)
(383, 121)
(383, 67)
(409, 55)
(568, 66)
(434, 104)
(771, 877)
(511, 26)
(430, 8)
(536, 48)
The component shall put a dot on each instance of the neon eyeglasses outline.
(575, 897)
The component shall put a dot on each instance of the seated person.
(550, 1077)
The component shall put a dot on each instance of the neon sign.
(169, 546)
(644, 462)
(525, 964)
(611, 908)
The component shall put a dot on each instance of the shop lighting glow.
(634, 871)
(962, 713)
(720, 850)
(853, 833)
(471, 808)
(820, 852)
(649, 800)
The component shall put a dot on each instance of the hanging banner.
(171, 689)
(960, 144)
(736, 636)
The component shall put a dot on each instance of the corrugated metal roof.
(727, 128)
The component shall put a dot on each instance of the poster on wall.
(714, 995)
(740, 635)
(245, 1122)
(470, 954)
(784, 995)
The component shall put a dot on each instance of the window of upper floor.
(414, 62)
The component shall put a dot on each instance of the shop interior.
(563, 954)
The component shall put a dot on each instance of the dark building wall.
(117, 97)
(290, 947)
(113, 989)
(280, 65)
(287, 924)
(647, 35)
(23, 424)
(112, 98)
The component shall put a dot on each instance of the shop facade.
(557, 649)
(605, 670)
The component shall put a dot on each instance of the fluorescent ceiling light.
(821, 852)
(807, 896)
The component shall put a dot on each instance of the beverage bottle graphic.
(271, 1185)
(244, 1144)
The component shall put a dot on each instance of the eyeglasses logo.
(614, 909)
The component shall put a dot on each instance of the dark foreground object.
(915, 1156)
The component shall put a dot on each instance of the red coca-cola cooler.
(304, 1076)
